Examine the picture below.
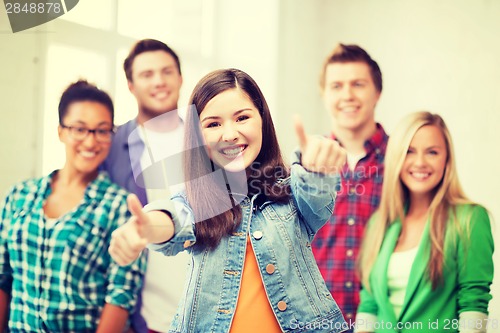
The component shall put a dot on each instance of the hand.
(128, 241)
(319, 154)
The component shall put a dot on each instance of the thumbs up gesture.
(319, 154)
(128, 241)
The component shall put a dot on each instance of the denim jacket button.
(257, 234)
(270, 269)
(281, 306)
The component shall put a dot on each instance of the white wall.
(298, 65)
(20, 109)
(246, 37)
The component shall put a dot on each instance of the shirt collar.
(91, 192)
(375, 142)
(132, 135)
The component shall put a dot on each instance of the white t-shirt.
(398, 274)
(165, 276)
(352, 160)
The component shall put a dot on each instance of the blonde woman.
(426, 260)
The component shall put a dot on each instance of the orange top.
(253, 312)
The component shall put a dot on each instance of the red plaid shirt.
(336, 245)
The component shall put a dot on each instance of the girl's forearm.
(113, 319)
(161, 227)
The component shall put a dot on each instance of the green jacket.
(468, 273)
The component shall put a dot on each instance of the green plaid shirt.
(60, 276)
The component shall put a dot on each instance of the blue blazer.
(118, 164)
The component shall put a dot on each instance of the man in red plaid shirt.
(351, 84)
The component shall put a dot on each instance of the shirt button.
(351, 221)
(352, 190)
(349, 253)
(257, 234)
(348, 284)
(377, 151)
(348, 315)
(270, 268)
(281, 306)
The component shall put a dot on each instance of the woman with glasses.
(55, 272)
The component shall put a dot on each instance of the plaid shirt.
(336, 245)
(61, 276)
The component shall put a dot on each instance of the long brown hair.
(395, 196)
(207, 195)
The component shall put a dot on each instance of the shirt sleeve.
(473, 322)
(5, 218)
(367, 303)
(475, 260)
(314, 194)
(125, 282)
(365, 322)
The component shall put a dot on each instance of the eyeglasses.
(80, 133)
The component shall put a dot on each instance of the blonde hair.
(448, 194)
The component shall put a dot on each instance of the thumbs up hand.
(128, 241)
(319, 154)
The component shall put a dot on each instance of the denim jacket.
(280, 234)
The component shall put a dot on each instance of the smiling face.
(155, 83)
(232, 130)
(350, 96)
(425, 163)
(85, 156)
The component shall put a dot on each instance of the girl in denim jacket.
(246, 219)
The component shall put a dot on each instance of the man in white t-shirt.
(145, 158)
